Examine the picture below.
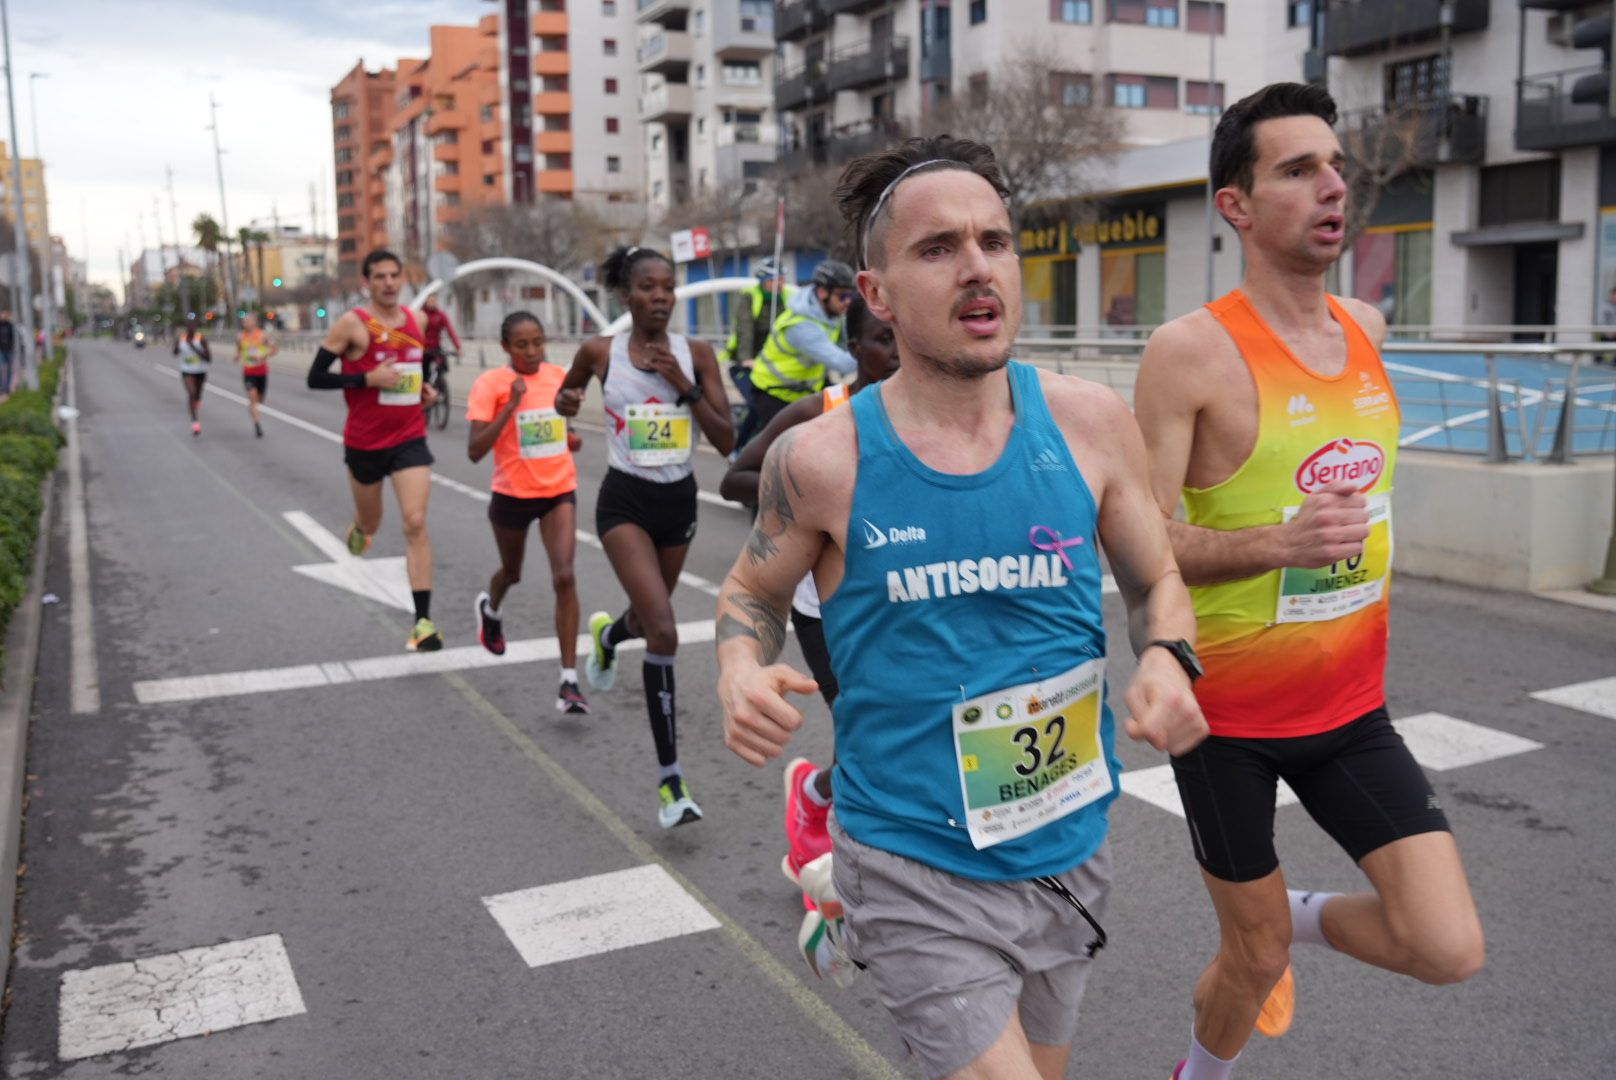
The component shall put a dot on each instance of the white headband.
(869, 222)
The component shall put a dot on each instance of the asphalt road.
(360, 822)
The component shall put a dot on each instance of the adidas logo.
(1299, 405)
(1048, 461)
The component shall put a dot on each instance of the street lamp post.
(47, 254)
(19, 234)
(224, 213)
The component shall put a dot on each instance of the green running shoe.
(424, 638)
(601, 667)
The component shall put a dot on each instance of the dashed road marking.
(85, 687)
(1597, 697)
(118, 1007)
(551, 924)
(1437, 741)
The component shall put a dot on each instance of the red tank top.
(379, 419)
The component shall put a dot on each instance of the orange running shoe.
(1280, 1008)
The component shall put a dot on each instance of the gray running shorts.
(952, 957)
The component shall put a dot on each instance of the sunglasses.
(844, 294)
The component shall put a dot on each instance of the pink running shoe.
(806, 835)
(1178, 1069)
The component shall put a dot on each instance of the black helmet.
(831, 274)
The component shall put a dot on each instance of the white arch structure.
(503, 262)
(690, 292)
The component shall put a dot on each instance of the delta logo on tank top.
(1299, 650)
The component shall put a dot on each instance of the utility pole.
(162, 252)
(47, 256)
(174, 216)
(22, 278)
(224, 214)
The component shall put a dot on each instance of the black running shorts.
(374, 466)
(512, 512)
(259, 383)
(667, 512)
(1359, 782)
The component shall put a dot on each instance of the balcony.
(668, 102)
(655, 11)
(1451, 132)
(555, 181)
(796, 19)
(445, 183)
(744, 33)
(552, 62)
(552, 103)
(553, 142)
(1548, 118)
(1364, 26)
(667, 52)
(446, 151)
(798, 86)
(852, 7)
(801, 159)
(742, 95)
(936, 62)
(868, 64)
(740, 145)
(549, 24)
(865, 137)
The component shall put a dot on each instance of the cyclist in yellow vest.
(1270, 414)
(755, 309)
(804, 343)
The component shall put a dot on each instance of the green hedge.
(29, 439)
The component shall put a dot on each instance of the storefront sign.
(1139, 226)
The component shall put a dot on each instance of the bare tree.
(1382, 145)
(557, 233)
(1039, 116)
(812, 217)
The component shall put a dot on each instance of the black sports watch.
(692, 395)
(1184, 653)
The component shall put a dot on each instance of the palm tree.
(208, 238)
(249, 238)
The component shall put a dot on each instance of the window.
(1143, 91)
(1073, 90)
(524, 153)
(656, 141)
(1299, 13)
(611, 125)
(449, 168)
(743, 73)
(490, 146)
(344, 156)
(347, 223)
(345, 201)
(658, 189)
(701, 74)
(341, 110)
(1204, 17)
(608, 7)
(490, 179)
(699, 24)
(344, 177)
(1525, 192)
(1161, 13)
(611, 86)
(348, 247)
(448, 138)
(609, 46)
(1203, 99)
(757, 17)
(1074, 11)
(451, 199)
(343, 133)
(486, 114)
(979, 12)
(1421, 79)
(701, 125)
(614, 164)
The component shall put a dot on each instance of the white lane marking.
(385, 581)
(267, 410)
(1443, 742)
(85, 691)
(118, 1007)
(377, 668)
(572, 919)
(1437, 741)
(1597, 697)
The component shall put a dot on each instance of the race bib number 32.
(1330, 592)
(658, 434)
(1031, 754)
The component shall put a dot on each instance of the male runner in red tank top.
(385, 434)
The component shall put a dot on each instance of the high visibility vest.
(780, 370)
(760, 299)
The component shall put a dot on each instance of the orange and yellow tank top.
(1299, 651)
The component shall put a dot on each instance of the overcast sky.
(127, 97)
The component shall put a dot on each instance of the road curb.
(17, 702)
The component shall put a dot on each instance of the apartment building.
(1506, 211)
(35, 211)
(361, 134)
(705, 97)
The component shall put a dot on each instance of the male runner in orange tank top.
(1269, 413)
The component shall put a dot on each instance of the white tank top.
(647, 434)
(192, 362)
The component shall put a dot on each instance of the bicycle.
(437, 413)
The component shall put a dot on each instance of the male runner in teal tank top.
(950, 521)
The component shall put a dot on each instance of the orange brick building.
(362, 107)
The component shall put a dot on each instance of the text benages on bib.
(962, 577)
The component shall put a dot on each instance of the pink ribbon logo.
(1055, 543)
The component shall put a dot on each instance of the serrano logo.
(1361, 462)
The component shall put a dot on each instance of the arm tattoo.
(776, 487)
(759, 621)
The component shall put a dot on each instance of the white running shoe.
(820, 941)
(677, 808)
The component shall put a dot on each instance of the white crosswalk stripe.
(1597, 697)
(1437, 741)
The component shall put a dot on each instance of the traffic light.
(276, 282)
(319, 313)
(1596, 32)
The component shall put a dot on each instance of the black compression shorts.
(667, 512)
(1359, 782)
(374, 466)
(512, 512)
(259, 383)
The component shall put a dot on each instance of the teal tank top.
(972, 732)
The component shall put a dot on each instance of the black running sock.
(617, 633)
(658, 671)
(423, 603)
